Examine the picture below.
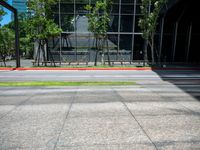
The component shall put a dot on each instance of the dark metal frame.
(14, 10)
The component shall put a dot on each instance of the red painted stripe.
(57, 69)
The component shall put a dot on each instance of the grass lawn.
(52, 83)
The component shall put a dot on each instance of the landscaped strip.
(52, 83)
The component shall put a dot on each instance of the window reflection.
(71, 16)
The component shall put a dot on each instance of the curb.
(90, 69)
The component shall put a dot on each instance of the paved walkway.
(151, 115)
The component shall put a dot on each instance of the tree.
(26, 46)
(98, 19)
(150, 10)
(41, 26)
(7, 41)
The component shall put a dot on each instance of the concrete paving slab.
(9, 103)
(191, 105)
(180, 145)
(156, 108)
(101, 130)
(13, 99)
(52, 98)
(143, 146)
(96, 97)
(32, 126)
(172, 131)
(140, 96)
(98, 109)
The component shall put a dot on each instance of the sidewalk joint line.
(18, 105)
(65, 119)
(133, 116)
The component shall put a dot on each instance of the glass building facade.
(20, 5)
(77, 43)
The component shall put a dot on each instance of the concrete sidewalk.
(150, 115)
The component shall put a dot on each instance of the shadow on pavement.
(186, 80)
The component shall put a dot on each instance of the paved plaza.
(159, 112)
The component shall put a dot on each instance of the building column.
(133, 36)
(174, 40)
(161, 39)
(60, 42)
(119, 27)
(189, 42)
(17, 53)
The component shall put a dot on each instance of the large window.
(71, 17)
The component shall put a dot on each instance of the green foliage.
(40, 24)
(25, 43)
(68, 23)
(7, 37)
(98, 17)
(148, 21)
(57, 83)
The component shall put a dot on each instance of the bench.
(43, 62)
(117, 61)
(58, 62)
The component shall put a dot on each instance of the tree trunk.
(108, 51)
(102, 55)
(96, 55)
(50, 54)
(152, 50)
(145, 52)
(38, 53)
(4, 61)
(43, 52)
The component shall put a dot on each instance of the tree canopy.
(98, 17)
(41, 25)
(7, 37)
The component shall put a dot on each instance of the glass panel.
(127, 9)
(138, 1)
(82, 1)
(67, 22)
(84, 41)
(137, 28)
(126, 23)
(113, 41)
(114, 23)
(125, 42)
(125, 47)
(127, 1)
(138, 48)
(66, 8)
(115, 9)
(138, 10)
(80, 9)
(113, 44)
(81, 23)
(116, 1)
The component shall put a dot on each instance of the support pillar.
(161, 39)
(189, 42)
(175, 41)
